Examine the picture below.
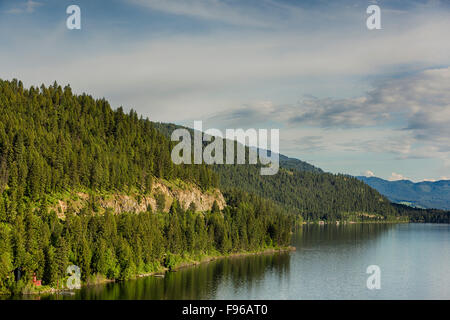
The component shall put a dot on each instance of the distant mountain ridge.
(424, 194)
(304, 189)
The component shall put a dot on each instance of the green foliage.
(422, 215)
(215, 207)
(52, 140)
(6, 257)
(160, 199)
(170, 261)
(301, 187)
(122, 246)
(313, 194)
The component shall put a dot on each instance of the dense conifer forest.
(315, 195)
(53, 141)
(312, 194)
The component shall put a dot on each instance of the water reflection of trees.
(204, 281)
(199, 282)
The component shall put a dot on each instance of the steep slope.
(296, 164)
(303, 188)
(285, 162)
(160, 198)
(82, 184)
(52, 140)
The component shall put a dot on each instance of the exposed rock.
(119, 203)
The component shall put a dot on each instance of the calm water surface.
(330, 263)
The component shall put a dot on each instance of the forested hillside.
(51, 139)
(54, 142)
(285, 162)
(296, 164)
(422, 215)
(304, 189)
(315, 196)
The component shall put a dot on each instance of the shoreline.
(321, 223)
(163, 271)
(232, 255)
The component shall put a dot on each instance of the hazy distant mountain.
(421, 194)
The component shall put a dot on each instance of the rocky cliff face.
(119, 203)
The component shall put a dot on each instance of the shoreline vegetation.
(182, 264)
(138, 212)
(188, 261)
(109, 247)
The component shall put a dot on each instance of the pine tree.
(61, 258)
(51, 268)
(215, 207)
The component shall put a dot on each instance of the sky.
(345, 98)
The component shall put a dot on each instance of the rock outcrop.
(119, 203)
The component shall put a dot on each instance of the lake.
(330, 263)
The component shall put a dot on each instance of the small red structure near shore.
(36, 282)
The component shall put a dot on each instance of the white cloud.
(212, 10)
(409, 116)
(27, 7)
(438, 179)
(31, 5)
(396, 177)
(261, 13)
(369, 174)
(218, 75)
(221, 70)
